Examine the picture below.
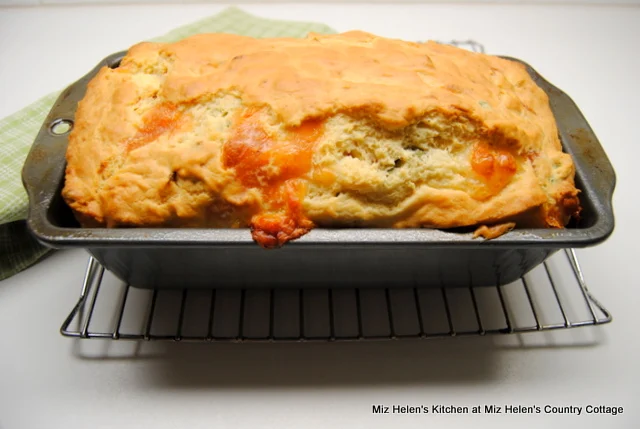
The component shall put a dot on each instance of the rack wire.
(553, 296)
(470, 45)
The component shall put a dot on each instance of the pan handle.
(593, 168)
(45, 163)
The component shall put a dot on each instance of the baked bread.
(283, 135)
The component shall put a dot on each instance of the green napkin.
(18, 249)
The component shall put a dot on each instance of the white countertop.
(47, 381)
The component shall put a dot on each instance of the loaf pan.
(175, 258)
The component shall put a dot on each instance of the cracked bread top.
(282, 135)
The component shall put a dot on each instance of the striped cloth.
(18, 249)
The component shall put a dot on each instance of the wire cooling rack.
(470, 45)
(552, 296)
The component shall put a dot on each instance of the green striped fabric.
(18, 250)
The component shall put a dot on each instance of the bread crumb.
(493, 231)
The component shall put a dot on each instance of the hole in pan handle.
(61, 127)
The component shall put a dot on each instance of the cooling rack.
(552, 296)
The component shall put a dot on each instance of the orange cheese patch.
(274, 165)
(494, 166)
(162, 119)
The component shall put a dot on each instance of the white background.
(66, 2)
(47, 381)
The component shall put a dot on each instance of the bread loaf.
(284, 135)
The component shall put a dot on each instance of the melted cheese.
(495, 167)
(162, 119)
(273, 165)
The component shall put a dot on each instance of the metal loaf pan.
(170, 258)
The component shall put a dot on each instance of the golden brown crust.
(402, 134)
